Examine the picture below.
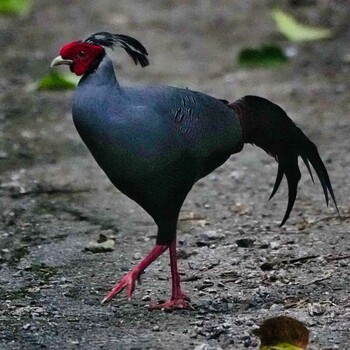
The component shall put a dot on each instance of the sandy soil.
(237, 265)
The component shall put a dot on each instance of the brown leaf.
(241, 209)
(102, 245)
(283, 329)
(184, 216)
(190, 219)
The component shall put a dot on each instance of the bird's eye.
(82, 54)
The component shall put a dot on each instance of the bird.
(155, 142)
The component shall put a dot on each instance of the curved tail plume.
(267, 125)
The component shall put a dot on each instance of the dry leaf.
(189, 219)
(241, 209)
(102, 245)
(296, 31)
(283, 333)
(184, 216)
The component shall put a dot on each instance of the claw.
(128, 281)
(104, 300)
(179, 301)
(174, 304)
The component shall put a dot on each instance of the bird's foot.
(128, 281)
(130, 278)
(173, 304)
(180, 302)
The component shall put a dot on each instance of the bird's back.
(199, 124)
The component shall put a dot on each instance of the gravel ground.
(237, 265)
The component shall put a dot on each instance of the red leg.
(135, 275)
(179, 300)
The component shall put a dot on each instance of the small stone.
(264, 246)
(18, 273)
(207, 238)
(39, 311)
(275, 245)
(247, 341)
(191, 278)
(26, 326)
(102, 238)
(213, 235)
(74, 342)
(208, 282)
(137, 256)
(156, 329)
(101, 245)
(316, 309)
(235, 174)
(267, 266)
(245, 242)
(3, 155)
(146, 298)
(343, 263)
(183, 254)
(205, 284)
(203, 346)
(212, 291)
(346, 58)
(276, 307)
(241, 209)
(250, 323)
(193, 335)
(226, 341)
(302, 225)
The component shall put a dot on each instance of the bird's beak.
(59, 60)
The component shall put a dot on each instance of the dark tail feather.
(287, 166)
(268, 126)
(306, 161)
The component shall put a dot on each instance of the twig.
(302, 259)
(296, 303)
(316, 280)
(341, 257)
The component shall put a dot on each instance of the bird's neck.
(104, 74)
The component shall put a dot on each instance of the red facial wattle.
(81, 54)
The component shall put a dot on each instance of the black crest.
(132, 46)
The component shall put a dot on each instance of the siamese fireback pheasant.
(154, 143)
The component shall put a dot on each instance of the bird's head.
(85, 56)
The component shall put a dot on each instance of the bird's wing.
(200, 124)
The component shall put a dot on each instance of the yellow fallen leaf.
(281, 346)
(296, 31)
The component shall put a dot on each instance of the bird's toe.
(171, 305)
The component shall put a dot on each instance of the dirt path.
(55, 200)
